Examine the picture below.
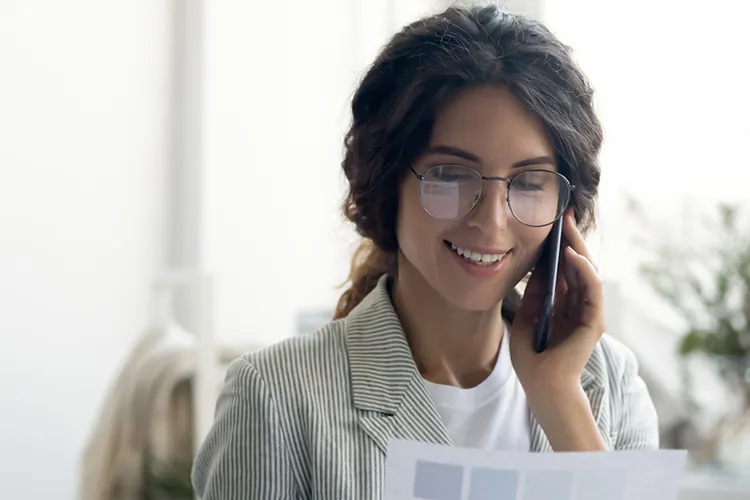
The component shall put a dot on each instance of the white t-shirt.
(491, 416)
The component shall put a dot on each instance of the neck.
(450, 346)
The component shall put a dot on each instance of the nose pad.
(492, 210)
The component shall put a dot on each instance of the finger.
(575, 239)
(566, 269)
(591, 297)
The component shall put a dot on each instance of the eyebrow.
(466, 155)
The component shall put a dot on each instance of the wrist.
(552, 387)
(564, 413)
(559, 401)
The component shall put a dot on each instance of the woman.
(468, 133)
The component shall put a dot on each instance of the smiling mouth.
(476, 258)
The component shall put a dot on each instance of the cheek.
(409, 226)
(416, 230)
(531, 242)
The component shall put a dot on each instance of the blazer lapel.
(592, 379)
(416, 420)
(387, 388)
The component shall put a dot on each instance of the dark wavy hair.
(421, 68)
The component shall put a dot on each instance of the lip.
(480, 270)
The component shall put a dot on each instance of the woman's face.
(487, 129)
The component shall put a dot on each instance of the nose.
(491, 213)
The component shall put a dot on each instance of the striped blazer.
(311, 417)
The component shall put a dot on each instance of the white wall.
(82, 154)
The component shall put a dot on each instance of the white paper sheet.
(421, 471)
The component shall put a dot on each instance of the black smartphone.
(550, 260)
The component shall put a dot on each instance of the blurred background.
(170, 196)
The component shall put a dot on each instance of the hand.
(577, 321)
(552, 378)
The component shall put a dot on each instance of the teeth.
(476, 257)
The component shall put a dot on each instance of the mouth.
(487, 258)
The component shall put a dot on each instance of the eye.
(531, 181)
(525, 185)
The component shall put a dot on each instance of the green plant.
(707, 281)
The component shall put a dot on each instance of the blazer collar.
(388, 389)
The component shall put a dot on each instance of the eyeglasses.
(536, 198)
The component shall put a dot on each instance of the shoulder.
(302, 360)
(617, 358)
(613, 365)
(268, 401)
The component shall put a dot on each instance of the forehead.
(492, 124)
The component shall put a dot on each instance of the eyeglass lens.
(535, 197)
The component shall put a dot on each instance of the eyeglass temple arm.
(419, 176)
